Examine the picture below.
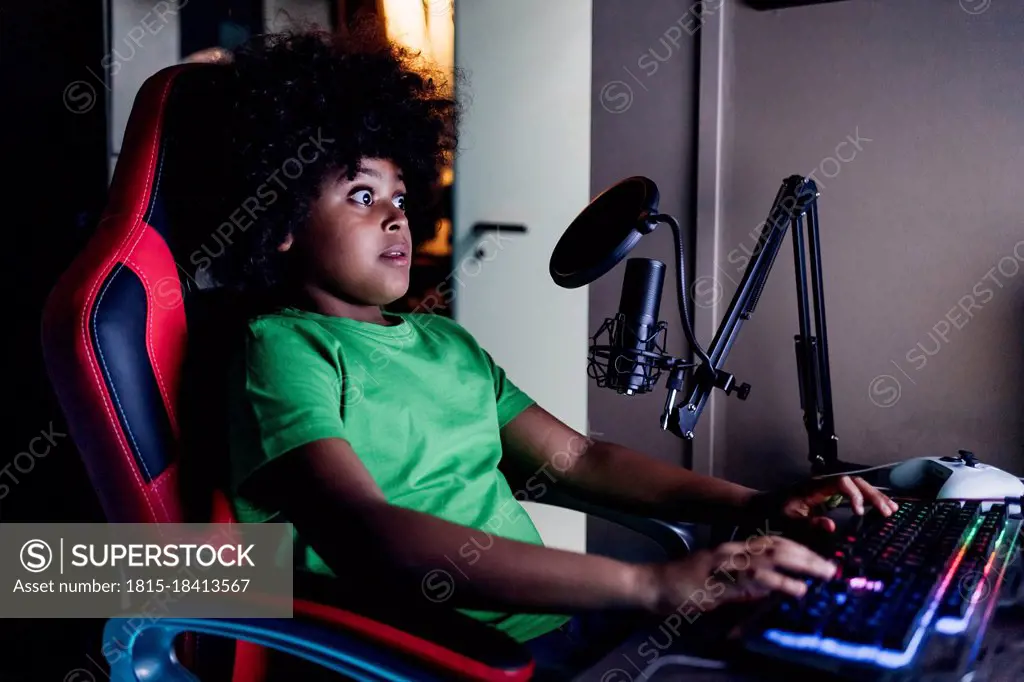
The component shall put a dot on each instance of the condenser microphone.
(636, 349)
(628, 352)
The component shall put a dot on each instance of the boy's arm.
(616, 476)
(336, 506)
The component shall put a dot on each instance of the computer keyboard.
(928, 575)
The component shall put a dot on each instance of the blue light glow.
(886, 658)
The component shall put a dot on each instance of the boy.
(380, 435)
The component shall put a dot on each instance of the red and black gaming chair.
(116, 329)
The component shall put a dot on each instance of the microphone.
(628, 352)
(631, 362)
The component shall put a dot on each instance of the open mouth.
(396, 255)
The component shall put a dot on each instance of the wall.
(143, 40)
(524, 158)
(281, 15)
(922, 229)
(644, 79)
(149, 35)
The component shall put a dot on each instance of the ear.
(286, 244)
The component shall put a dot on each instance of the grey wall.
(143, 40)
(642, 124)
(920, 221)
(145, 37)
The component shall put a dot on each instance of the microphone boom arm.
(796, 199)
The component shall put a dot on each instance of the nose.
(395, 220)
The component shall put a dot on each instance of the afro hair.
(308, 104)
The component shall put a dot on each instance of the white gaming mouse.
(956, 478)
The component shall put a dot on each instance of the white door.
(524, 159)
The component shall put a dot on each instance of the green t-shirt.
(420, 402)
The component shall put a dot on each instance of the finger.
(756, 544)
(797, 507)
(850, 489)
(748, 589)
(728, 549)
(876, 497)
(772, 580)
(733, 559)
(798, 558)
(824, 523)
(820, 491)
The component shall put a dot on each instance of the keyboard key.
(850, 630)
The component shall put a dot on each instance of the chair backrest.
(116, 325)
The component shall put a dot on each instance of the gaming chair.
(116, 330)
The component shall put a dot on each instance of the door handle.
(479, 229)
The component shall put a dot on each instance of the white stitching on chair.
(113, 420)
(113, 390)
(159, 481)
(85, 337)
(168, 404)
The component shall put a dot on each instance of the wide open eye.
(362, 196)
(399, 202)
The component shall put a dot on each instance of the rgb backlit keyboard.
(931, 570)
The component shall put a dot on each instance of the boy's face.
(357, 245)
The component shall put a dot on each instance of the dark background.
(55, 185)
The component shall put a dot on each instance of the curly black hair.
(339, 98)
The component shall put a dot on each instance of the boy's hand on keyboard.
(803, 504)
(731, 572)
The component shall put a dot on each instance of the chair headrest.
(190, 203)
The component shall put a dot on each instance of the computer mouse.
(955, 478)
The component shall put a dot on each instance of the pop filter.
(604, 232)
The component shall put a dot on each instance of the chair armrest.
(149, 653)
(677, 539)
(436, 634)
(366, 643)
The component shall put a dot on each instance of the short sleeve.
(511, 400)
(288, 383)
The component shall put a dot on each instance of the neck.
(325, 303)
